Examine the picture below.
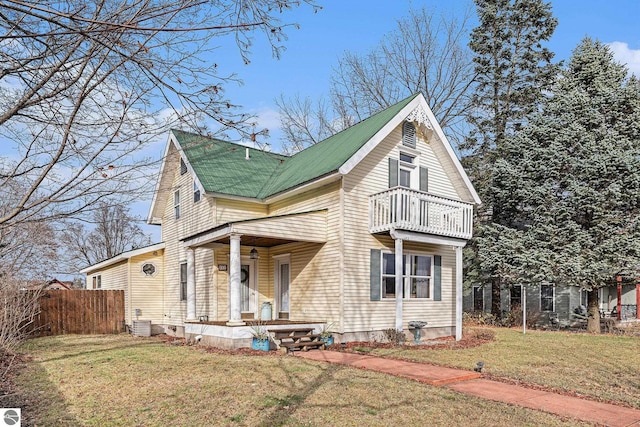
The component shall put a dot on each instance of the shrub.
(393, 336)
(482, 334)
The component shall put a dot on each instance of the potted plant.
(326, 334)
(260, 337)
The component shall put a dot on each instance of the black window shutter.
(424, 179)
(375, 275)
(183, 167)
(437, 278)
(393, 172)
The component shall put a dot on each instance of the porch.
(222, 335)
(253, 268)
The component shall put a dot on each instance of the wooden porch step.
(296, 339)
(292, 332)
(302, 345)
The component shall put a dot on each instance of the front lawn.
(121, 380)
(604, 367)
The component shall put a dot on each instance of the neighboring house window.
(416, 276)
(515, 297)
(97, 282)
(584, 297)
(148, 269)
(478, 298)
(409, 134)
(176, 203)
(196, 192)
(183, 281)
(547, 298)
(183, 167)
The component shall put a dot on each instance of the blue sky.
(358, 26)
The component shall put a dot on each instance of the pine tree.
(572, 180)
(513, 70)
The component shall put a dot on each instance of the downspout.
(341, 259)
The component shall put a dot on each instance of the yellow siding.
(370, 176)
(146, 292)
(315, 268)
(235, 210)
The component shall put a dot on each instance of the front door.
(248, 289)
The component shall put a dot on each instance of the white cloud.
(626, 55)
(268, 118)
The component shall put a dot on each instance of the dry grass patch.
(110, 381)
(601, 367)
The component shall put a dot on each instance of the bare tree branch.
(425, 53)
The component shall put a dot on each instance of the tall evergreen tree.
(571, 178)
(513, 70)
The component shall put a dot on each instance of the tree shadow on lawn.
(25, 385)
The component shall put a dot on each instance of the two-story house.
(364, 230)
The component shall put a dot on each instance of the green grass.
(121, 380)
(604, 367)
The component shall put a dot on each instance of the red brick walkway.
(472, 383)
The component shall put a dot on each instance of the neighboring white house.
(364, 229)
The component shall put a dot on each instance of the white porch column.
(235, 318)
(399, 284)
(191, 285)
(458, 293)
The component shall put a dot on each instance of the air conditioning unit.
(142, 328)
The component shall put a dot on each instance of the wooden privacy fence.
(80, 312)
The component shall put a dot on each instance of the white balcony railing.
(406, 209)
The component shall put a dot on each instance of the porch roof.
(268, 231)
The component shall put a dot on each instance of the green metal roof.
(221, 166)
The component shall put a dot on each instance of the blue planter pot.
(260, 344)
(327, 340)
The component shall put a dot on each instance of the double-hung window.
(546, 298)
(97, 282)
(176, 203)
(406, 171)
(183, 281)
(196, 192)
(478, 298)
(416, 276)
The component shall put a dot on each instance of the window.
(97, 282)
(546, 298)
(176, 203)
(515, 297)
(406, 171)
(408, 134)
(584, 297)
(196, 193)
(183, 167)
(478, 298)
(148, 269)
(416, 276)
(183, 281)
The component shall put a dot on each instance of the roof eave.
(123, 256)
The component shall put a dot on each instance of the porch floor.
(254, 322)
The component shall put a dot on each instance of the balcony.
(405, 209)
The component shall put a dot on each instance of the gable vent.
(409, 134)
